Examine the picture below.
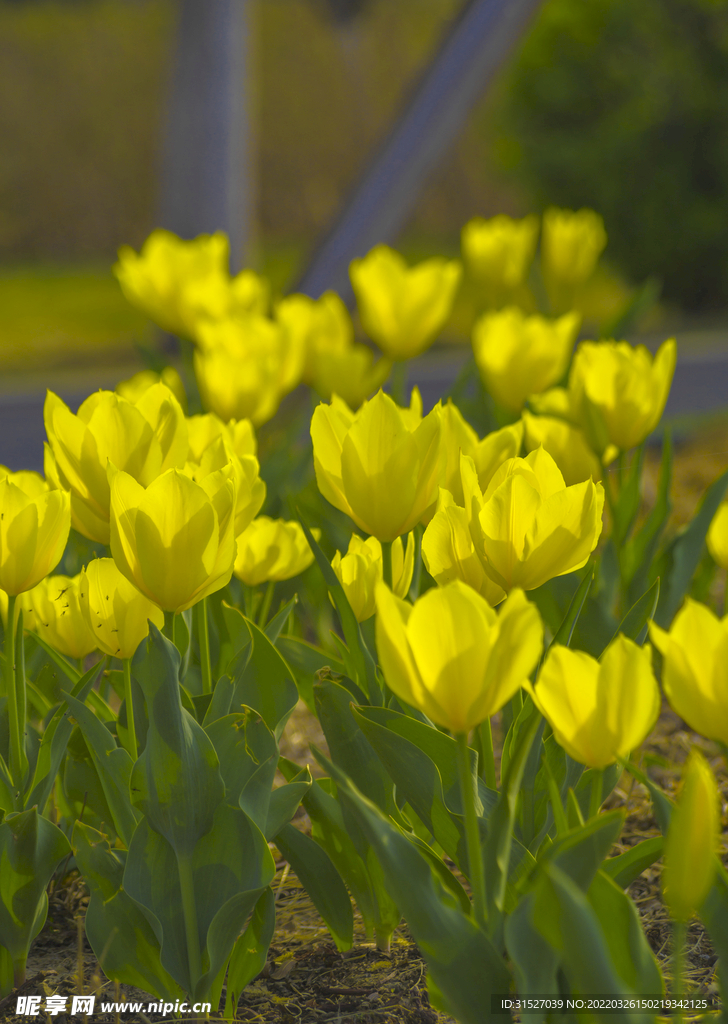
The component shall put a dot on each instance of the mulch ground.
(306, 979)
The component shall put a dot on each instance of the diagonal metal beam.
(387, 193)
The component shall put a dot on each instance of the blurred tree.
(623, 107)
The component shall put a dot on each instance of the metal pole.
(207, 161)
(388, 191)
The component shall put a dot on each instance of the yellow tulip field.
(474, 600)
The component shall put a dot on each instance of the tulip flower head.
(249, 488)
(520, 355)
(143, 439)
(487, 454)
(203, 430)
(244, 367)
(571, 244)
(133, 388)
(693, 840)
(34, 528)
(499, 251)
(694, 673)
(113, 609)
(174, 540)
(270, 550)
(53, 611)
(452, 656)
(617, 393)
(316, 326)
(402, 308)
(379, 465)
(526, 528)
(599, 710)
(565, 443)
(362, 567)
(156, 280)
(718, 536)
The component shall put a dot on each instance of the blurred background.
(618, 106)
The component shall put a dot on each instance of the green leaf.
(251, 950)
(113, 766)
(284, 802)
(714, 915)
(565, 631)
(620, 922)
(244, 744)
(627, 866)
(449, 940)
(364, 670)
(219, 706)
(634, 624)
(117, 930)
(535, 961)
(318, 875)
(276, 624)
(305, 662)
(685, 552)
(95, 700)
(231, 866)
(176, 781)
(263, 681)
(630, 497)
(638, 553)
(31, 848)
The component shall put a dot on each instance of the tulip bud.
(566, 445)
(34, 528)
(133, 388)
(718, 536)
(599, 710)
(694, 668)
(499, 251)
(249, 488)
(617, 393)
(203, 430)
(114, 611)
(402, 308)
(361, 568)
(520, 355)
(379, 465)
(452, 656)
(692, 841)
(457, 436)
(571, 244)
(174, 541)
(316, 326)
(272, 550)
(143, 439)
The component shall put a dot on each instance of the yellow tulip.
(352, 375)
(144, 439)
(487, 454)
(529, 526)
(249, 488)
(718, 537)
(599, 710)
(204, 429)
(245, 366)
(520, 355)
(114, 611)
(452, 656)
(218, 297)
(361, 568)
(617, 393)
(156, 279)
(133, 388)
(693, 840)
(52, 610)
(34, 529)
(29, 482)
(693, 669)
(571, 244)
(379, 465)
(270, 550)
(175, 541)
(449, 552)
(565, 443)
(317, 326)
(402, 308)
(499, 251)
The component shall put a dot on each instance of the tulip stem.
(203, 636)
(189, 912)
(11, 695)
(131, 740)
(679, 933)
(267, 601)
(486, 747)
(472, 829)
(387, 562)
(399, 383)
(596, 792)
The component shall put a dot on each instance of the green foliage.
(622, 108)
